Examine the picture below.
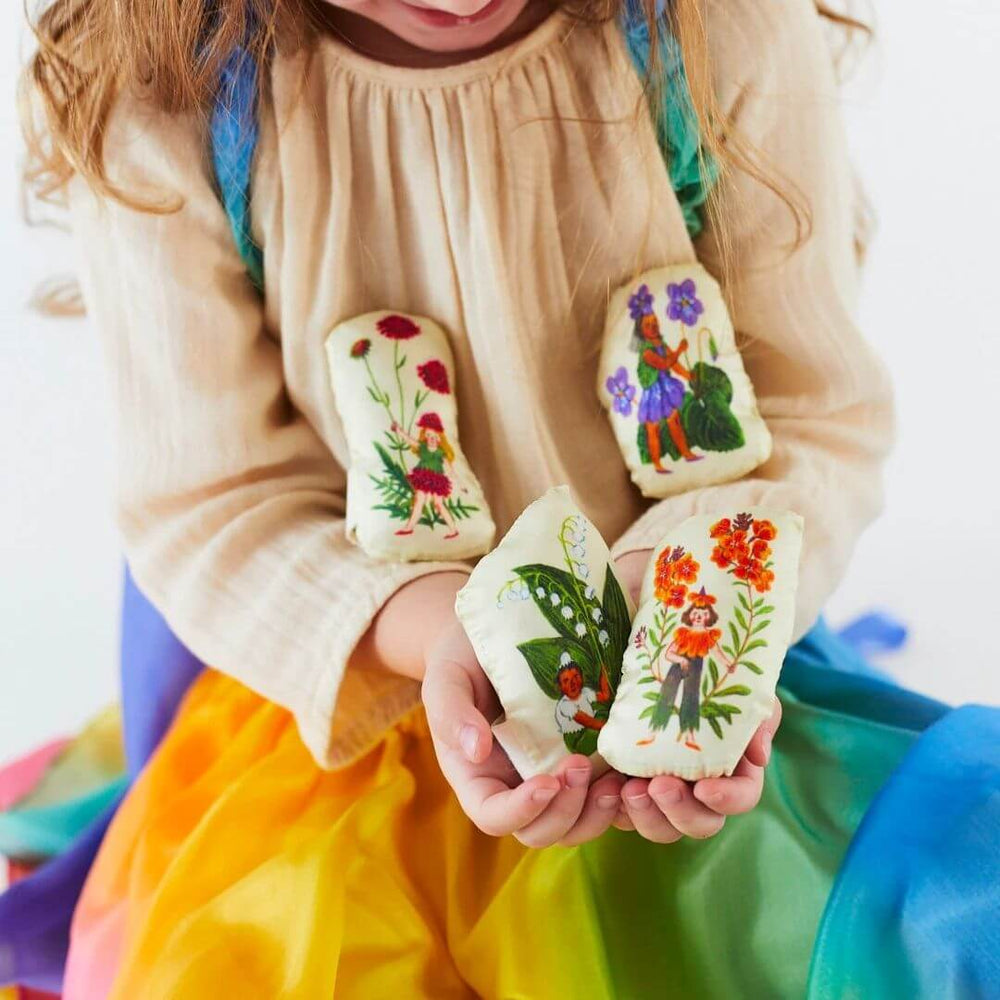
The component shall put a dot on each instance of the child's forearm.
(409, 624)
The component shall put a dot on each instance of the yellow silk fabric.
(237, 868)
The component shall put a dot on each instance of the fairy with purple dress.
(681, 406)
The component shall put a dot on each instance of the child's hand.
(545, 809)
(664, 809)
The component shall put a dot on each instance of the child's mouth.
(445, 19)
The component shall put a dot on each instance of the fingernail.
(544, 794)
(608, 801)
(641, 801)
(469, 738)
(669, 798)
(714, 799)
(577, 777)
(767, 747)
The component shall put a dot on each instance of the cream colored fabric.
(505, 198)
(549, 621)
(673, 383)
(694, 690)
(410, 492)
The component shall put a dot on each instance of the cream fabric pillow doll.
(549, 621)
(410, 492)
(679, 400)
(707, 644)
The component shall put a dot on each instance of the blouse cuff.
(354, 704)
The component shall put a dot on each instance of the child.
(307, 827)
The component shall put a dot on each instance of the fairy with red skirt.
(434, 474)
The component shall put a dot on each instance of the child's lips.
(446, 19)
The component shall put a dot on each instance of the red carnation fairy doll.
(433, 476)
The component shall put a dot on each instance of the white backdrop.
(925, 131)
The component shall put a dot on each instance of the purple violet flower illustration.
(640, 303)
(684, 303)
(622, 392)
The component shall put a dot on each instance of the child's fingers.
(758, 750)
(498, 810)
(647, 818)
(735, 795)
(682, 810)
(622, 821)
(564, 810)
(449, 701)
(599, 810)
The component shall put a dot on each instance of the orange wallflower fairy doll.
(693, 640)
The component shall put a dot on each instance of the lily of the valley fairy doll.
(325, 811)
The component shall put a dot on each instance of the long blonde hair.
(88, 51)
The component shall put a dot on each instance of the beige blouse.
(505, 197)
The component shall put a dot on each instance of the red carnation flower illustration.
(435, 376)
(397, 327)
(431, 422)
(360, 348)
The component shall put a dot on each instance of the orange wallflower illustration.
(741, 546)
(765, 530)
(675, 569)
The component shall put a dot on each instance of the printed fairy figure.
(576, 709)
(434, 473)
(662, 392)
(694, 639)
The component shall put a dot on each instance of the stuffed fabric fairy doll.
(673, 383)
(410, 491)
(707, 644)
(549, 621)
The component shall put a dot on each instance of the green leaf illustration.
(714, 671)
(710, 423)
(712, 709)
(735, 635)
(618, 624)
(553, 590)
(733, 689)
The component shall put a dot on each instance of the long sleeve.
(823, 393)
(230, 504)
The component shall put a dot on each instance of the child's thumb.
(452, 715)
